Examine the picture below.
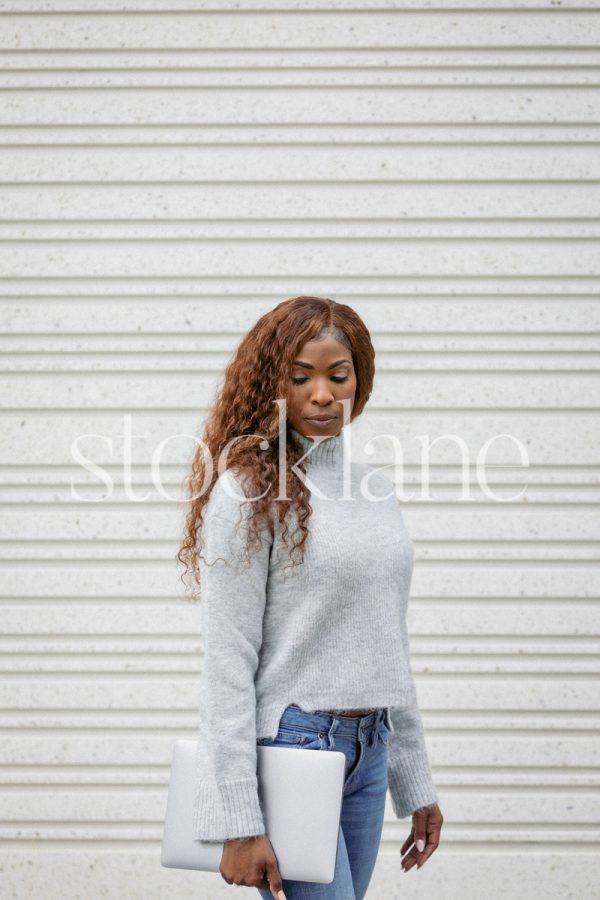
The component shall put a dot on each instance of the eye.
(340, 379)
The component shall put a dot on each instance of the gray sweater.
(329, 633)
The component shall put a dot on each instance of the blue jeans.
(363, 740)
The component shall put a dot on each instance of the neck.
(323, 453)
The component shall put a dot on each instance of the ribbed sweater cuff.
(230, 809)
(410, 783)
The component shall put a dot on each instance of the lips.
(320, 418)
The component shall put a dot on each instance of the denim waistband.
(324, 720)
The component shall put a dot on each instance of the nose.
(322, 393)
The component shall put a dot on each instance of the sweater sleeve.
(409, 774)
(232, 600)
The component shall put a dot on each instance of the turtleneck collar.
(324, 453)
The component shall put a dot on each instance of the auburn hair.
(244, 408)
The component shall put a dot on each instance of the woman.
(305, 641)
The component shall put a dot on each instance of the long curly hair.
(245, 408)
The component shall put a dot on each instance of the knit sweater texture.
(329, 633)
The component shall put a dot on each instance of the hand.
(426, 827)
(251, 862)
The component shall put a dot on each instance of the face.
(322, 376)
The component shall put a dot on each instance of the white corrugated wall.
(171, 171)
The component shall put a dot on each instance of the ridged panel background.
(169, 173)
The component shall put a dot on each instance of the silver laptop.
(300, 794)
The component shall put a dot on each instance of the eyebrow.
(306, 365)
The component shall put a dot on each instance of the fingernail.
(420, 845)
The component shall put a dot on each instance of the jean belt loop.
(332, 728)
(376, 727)
(374, 732)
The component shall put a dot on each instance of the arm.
(409, 775)
(233, 596)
